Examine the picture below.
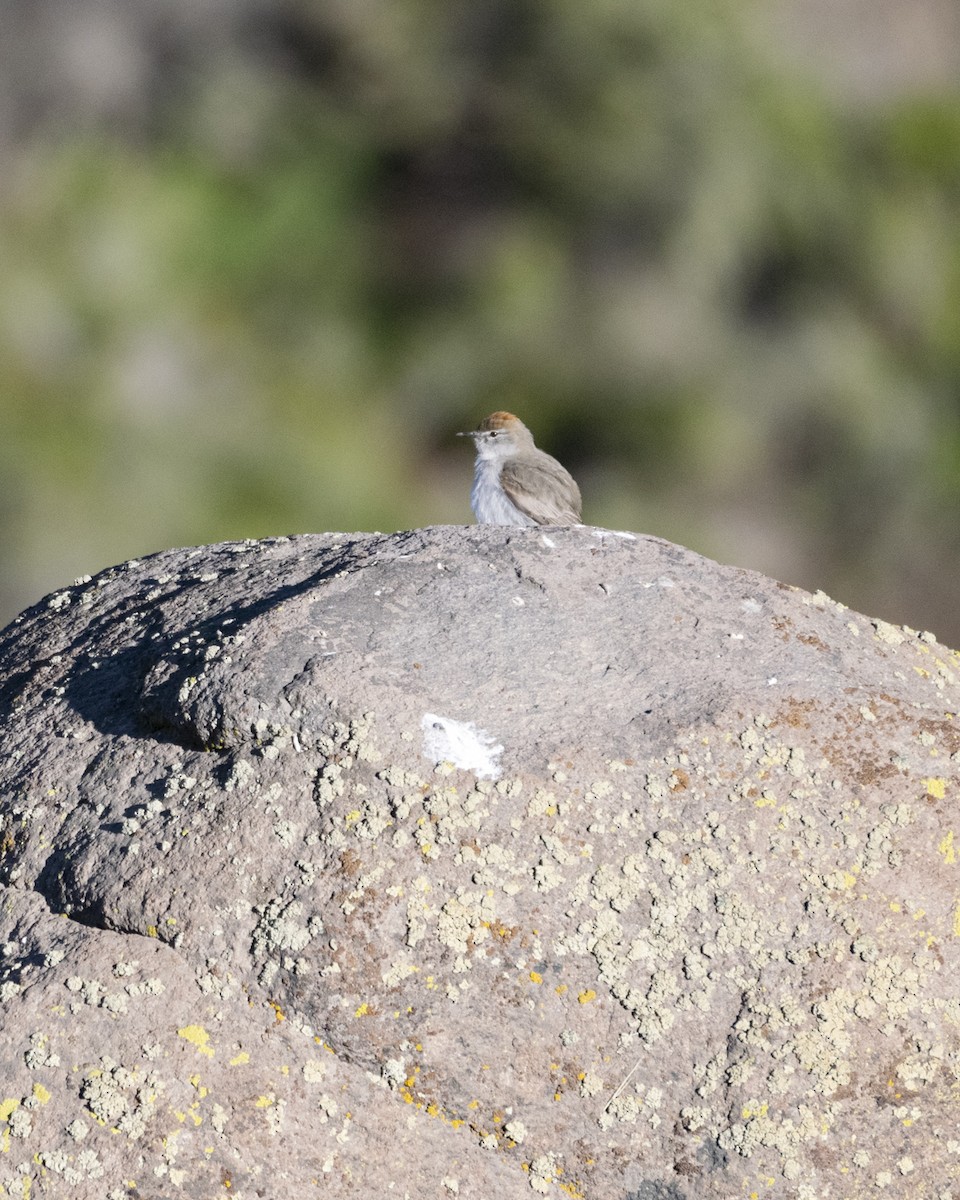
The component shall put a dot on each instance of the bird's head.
(501, 435)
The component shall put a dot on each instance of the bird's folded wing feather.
(539, 495)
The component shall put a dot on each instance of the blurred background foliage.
(261, 260)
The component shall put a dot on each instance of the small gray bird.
(514, 483)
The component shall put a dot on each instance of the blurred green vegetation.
(729, 303)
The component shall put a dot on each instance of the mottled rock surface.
(470, 862)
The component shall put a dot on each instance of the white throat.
(496, 449)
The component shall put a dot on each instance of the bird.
(514, 483)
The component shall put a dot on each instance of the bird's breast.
(490, 503)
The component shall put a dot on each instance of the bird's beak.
(465, 434)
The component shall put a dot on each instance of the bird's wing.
(539, 493)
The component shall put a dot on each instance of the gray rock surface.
(470, 862)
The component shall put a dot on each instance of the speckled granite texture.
(675, 916)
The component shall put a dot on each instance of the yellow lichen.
(197, 1036)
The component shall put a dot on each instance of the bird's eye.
(494, 433)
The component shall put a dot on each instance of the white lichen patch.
(543, 1172)
(516, 1131)
(93, 993)
(760, 1128)
(240, 776)
(56, 1161)
(39, 1053)
(20, 1123)
(464, 921)
(281, 926)
(329, 784)
(78, 1129)
(153, 986)
(397, 972)
(590, 1084)
(123, 1099)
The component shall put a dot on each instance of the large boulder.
(467, 862)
